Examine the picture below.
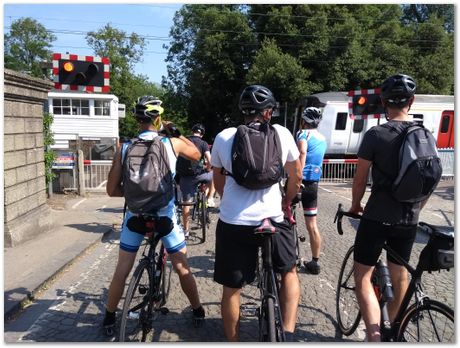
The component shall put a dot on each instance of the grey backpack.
(419, 166)
(147, 177)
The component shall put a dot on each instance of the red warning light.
(68, 66)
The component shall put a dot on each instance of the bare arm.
(359, 185)
(302, 146)
(219, 181)
(113, 186)
(207, 155)
(294, 172)
(185, 148)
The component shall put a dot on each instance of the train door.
(446, 130)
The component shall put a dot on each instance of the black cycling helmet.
(312, 116)
(398, 89)
(148, 107)
(198, 128)
(256, 98)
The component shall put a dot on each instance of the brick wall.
(25, 208)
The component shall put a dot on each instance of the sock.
(199, 312)
(316, 259)
(110, 318)
(289, 336)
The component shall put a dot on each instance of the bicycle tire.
(132, 328)
(347, 308)
(166, 280)
(420, 320)
(267, 329)
(203, 221)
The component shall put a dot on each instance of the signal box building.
(85, 113)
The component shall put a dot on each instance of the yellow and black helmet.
(149, 107)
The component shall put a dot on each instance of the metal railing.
(334, 170)
(96, 173)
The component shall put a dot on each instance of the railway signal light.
(368, 104)
(81, 73)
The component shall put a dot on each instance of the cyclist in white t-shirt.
(241, 210)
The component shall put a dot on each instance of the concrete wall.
(26, 211)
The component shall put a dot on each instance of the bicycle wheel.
(203, 211)
(430, 322)
(165, 279)
(347, 308)
(135, 319)
(267, 328)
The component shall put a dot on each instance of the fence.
(343, 170)
(334, 170)
(96, 173)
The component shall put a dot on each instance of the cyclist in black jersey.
(384, 220)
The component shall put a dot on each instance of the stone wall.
(26, 211)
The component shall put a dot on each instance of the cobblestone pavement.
(72, 306)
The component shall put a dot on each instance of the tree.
(208, 60)
(124, 51)
(27, 45)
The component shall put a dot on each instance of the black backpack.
(185, 167)
(419, 166)
(147, 177)
(256, 157)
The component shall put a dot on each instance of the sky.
(146, 19)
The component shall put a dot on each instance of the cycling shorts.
(188, 184)
(236, 253)
(130, 241)
(372, 235)
(310, 198)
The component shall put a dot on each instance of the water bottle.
(385, 281)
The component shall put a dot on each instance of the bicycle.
(269, 310)
(200, 213)
(149, 286)
(413, 321)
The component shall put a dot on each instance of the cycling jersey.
(316, 148)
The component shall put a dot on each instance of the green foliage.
(26, 45)
(48, 140)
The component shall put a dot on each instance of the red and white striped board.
(351, 94)
(104, 89)
(340, 161)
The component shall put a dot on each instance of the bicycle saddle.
(265, 227)
(145, 224)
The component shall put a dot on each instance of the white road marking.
(78, 203)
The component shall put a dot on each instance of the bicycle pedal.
(302, 238)
(249, 310)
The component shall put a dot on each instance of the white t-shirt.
(239, 205)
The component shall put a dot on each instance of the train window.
(445, 124)
(358, 126)
(341, 122)
(417, 118)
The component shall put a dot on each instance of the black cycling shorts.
(236, 253)
(310, 198)
(372, 235)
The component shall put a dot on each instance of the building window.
(341, 122)
(71, 107)
(102, 107)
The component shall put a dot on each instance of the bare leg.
(117, 286)
(230, 310)
(289, 298)
(186, 278)
(315, 237)
(400, 282)
(368, 304)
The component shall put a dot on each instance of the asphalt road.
(70, 310)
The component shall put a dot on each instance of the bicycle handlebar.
(340, 214)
